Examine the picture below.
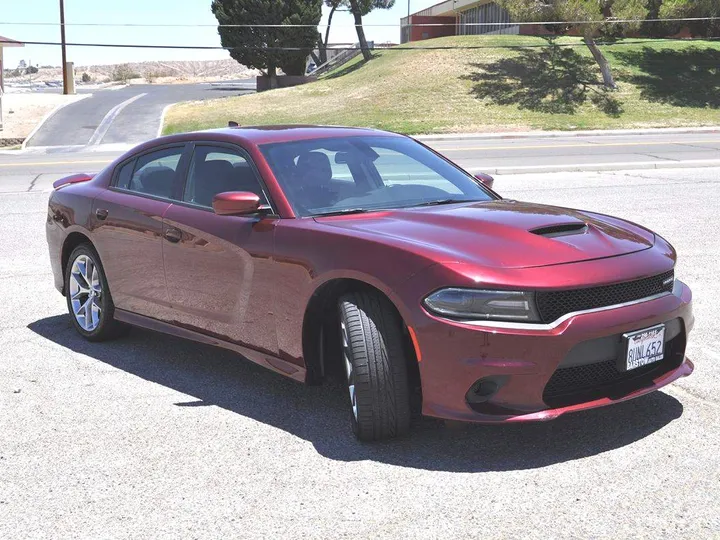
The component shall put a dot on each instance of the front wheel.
(375, 366)
(88, 297)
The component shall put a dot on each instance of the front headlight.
(483, 304)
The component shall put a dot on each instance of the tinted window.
(396, 168)
(331, 175)
(340, 170)
(124, 175)
(154, 173)
(215, 170)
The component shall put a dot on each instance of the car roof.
(280, 133)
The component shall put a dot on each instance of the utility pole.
(64, 52)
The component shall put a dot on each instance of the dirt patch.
(23, 111)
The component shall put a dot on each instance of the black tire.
(372, 345)
(107, 327)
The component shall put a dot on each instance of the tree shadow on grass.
(685, 78)
(552, 79)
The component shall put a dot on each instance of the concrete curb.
(76, 148)
(113, 86)
(557, 134)
(49, 115)
(166, 108)
(593, 167)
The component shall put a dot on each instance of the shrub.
(31, 70)
(150, 76)
(123, 73)
(86, 78)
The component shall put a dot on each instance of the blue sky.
(151, 11)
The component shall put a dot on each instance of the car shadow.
(320, 415)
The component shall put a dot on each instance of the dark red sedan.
(314, 251)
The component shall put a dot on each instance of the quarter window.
(215, 170)
(124, 175)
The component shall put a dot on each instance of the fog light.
(482, 390)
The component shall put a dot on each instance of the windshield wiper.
(344, 212)
(443, 201)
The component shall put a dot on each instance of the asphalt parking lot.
(154, 437)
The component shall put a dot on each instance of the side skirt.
(273, 363)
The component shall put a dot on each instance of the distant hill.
(171, 71)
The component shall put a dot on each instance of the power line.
(377, 25)
(386, 48)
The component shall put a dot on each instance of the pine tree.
(695, 9)
(268, 49)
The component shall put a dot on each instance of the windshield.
(356, 174)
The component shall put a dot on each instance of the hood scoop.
(562, 229)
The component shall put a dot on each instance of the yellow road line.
(583, 145)
(36, 163)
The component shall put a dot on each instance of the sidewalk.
(554, 134)
(24, 112)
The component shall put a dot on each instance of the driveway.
(129, 115)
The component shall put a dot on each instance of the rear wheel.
(88, 297)
(375, 366)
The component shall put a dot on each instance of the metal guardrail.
(340, 59)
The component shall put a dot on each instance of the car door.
(128, 229)
(219, 269)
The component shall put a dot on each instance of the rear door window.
(152, 173)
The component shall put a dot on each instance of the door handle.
(173, 235)
(101, 214)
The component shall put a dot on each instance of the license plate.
(644, 347)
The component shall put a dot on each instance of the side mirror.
(486, 179)
(236, 203)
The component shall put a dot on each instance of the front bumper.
(456, 355)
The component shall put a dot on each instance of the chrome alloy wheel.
(85, 293)
(349, 368)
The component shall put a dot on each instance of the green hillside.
(510, 83)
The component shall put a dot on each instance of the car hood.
(502, 234)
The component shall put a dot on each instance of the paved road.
(129, 115)
(517, 155)
(151, 436)
(475, 154)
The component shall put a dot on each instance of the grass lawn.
(531, 86)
